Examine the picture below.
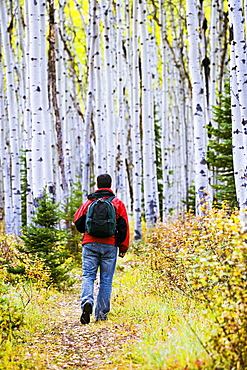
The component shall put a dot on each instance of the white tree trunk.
(36, 101)
(149, 173)
(164, 114)
(6, 207)
(135, 132)
(201, 171)
(90, 96)
(111, 142)
(121, 129)
(47, 123)
(238, 119)
(100, 134)
(13, 123)
(237, 21)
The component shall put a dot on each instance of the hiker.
(100, 251)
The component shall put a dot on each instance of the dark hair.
(104, 181)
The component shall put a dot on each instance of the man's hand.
(121, 254)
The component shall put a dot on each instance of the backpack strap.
(111, 198)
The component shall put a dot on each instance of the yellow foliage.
(205, 259)
(11, 258)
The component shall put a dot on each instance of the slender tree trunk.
(13, 123)
(38, 183)
(100, 135)
(110, 115)
(237, 21)
(201, 172)
(164, 116)
(53, 84)
(46, 116)
(90, 96)
(238, 102)
(6, 207)
(136, 139)
(122, 190)
(149, 174)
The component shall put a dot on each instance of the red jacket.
(121, 238)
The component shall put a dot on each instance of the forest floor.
(67, 344)
(145, 329)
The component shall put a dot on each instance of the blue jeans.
(94, 256)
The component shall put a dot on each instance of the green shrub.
(12, 285)
(11, 312)
(43, 240)
(74, 238)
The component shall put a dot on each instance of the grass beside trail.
(146, 329)
(172, 328)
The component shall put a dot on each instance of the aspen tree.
(90, 96)
(213, 62)
(245, 17)
(27, 129)
(14, 164)
(100, 135)
(52, 78)
(46, 116)
(164, 113)
(122, 191)
(201, 176)
(135, 132)
(149, 175)
(5, 174)
(37, 143)
(237, 21)
(213, 55)
(237, 80)
(110, 119)
(65, 86)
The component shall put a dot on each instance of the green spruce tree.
(219, 155)
(73, 203)
(43, 239)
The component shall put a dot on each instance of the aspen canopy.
(120, 87)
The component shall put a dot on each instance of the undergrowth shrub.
(206, 261)
(12, 285)
(73, 202)
(44, 240)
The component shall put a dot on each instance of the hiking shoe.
(85, 316)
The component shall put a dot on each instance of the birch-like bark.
(100, 136)
(46, 116)
(122, 137)
(65, 86)
(149, 174)
(110, 115)
(213, 56)
(13, 123)
(37, 160)
(238, 114)
(53, 85)
(201, 171)
(90, 96)
(6, 196)
(237, 21)
(27, 129)
(136, 139)
(164, 116)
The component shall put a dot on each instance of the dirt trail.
(69, 345)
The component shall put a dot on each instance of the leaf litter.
(66, 344)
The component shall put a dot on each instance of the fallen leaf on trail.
(69, 345)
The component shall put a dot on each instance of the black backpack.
(101, 218)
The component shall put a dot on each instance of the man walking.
(100, 252)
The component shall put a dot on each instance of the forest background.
(153, 93)
(127, 88)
